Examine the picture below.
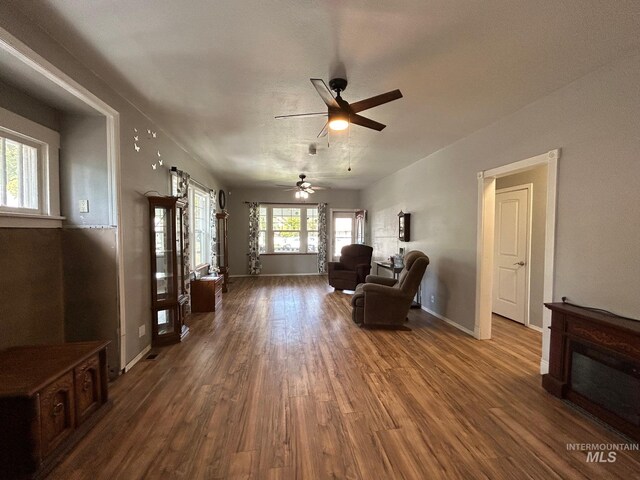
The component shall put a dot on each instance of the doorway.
(343, 231)
(487, 182)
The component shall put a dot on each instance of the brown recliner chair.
(353, 267)
(385, 301)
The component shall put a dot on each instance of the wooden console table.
(594, 361)
(50, 396)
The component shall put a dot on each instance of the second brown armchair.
(353, 267)
(386, 301)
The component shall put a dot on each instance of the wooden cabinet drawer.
(88, 390)
(206, 294)
(57, 413)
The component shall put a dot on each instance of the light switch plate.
(83, 205)
(141, 330)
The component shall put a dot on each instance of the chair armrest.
(381, 280)
(334, 266)
(386, 290)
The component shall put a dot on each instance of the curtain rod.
(174, 171)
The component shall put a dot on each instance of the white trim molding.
(279, 275)
(544, 367)
(137, 358)
(450, 322)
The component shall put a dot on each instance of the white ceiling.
(215, 73)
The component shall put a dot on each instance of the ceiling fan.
(340, 112)
(302, 188)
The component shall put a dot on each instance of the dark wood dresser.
(206, 294)
(50, 396)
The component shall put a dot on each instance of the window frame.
(304, 231)
(193, 191)
(47, 143)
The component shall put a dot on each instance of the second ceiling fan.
(303, 188)
(340, 112)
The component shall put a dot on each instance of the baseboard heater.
(594, 362)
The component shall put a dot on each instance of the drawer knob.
(57, 409)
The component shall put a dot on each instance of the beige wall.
(595, 121)
(239, 228)
(538, 178)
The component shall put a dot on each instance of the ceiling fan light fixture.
(338, 124)
(338, 121)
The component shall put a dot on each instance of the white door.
(343, 232)
(510, 271)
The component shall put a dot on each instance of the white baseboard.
(278, 275)
(544, 367)
(450, 322)
(139, 357)
(535, 327)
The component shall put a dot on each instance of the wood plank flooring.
(280, 384)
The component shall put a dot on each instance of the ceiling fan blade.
(305, 184)
(324, 131)
(324, 92)
(365, 122)
(315, 187)
(309, 190)
(303, 115)
(375, 101)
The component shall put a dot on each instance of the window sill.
(287, 253)
(28, 220)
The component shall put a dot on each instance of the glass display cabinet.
(168, 289)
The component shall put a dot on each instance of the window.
(262, 231)
(199, 209)
(285, 229)
(29, 181)
(18, 174)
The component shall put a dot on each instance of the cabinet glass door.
(164, 254)
(166, 320)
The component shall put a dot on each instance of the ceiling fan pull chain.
(349, 146)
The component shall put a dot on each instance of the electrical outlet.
(141, 330)
(433, 299)
(83, 206)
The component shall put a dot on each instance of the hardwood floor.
(280, 384)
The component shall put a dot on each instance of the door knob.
(521, 263)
